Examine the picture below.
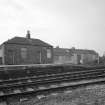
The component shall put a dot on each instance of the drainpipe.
(98, 59)
(40, 55)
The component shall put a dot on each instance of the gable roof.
(26, 41)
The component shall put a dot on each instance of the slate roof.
(83, 51)
(61, 51)
(26, 41)
(65, 51)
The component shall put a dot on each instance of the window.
(24, 53)
(49, 54)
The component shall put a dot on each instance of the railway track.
(52, 77)
(50, 82)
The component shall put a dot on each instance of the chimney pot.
(28, 34)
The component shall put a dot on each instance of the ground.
(91, 95)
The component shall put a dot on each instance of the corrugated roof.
(26, 41)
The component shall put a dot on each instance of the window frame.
(49, 53)
(23, 53)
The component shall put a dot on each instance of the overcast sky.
(67, 23)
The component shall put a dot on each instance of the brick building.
(62, 55)
(84, 56)
(75, 56)
(21, 50)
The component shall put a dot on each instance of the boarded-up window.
(49, 54)
(23, 53)
(0, 60)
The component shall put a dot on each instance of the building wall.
(62, 59)
(74, 59)
(88, 58)
(2, 54)
(26, 54)
(83, 58)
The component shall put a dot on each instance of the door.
(38, 57)
(11, 57)
(78, 59)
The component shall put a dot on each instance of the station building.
(25, 50)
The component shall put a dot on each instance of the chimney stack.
(28, 34)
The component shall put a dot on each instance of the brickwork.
(35, 54)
